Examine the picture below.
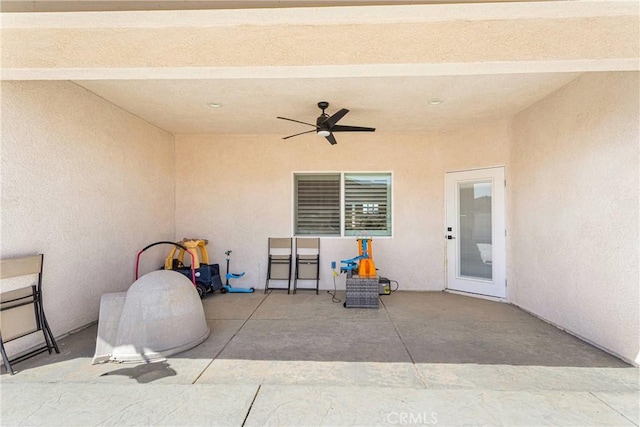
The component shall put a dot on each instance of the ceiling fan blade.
(331, 139)
(297, 121)
(301, 133)
(338, 128)
(331, 121)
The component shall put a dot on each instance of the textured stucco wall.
(88, 185)
(574, 213)
(237, 191)
(520, 35)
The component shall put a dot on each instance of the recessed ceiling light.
(436, 101)
(214, 105)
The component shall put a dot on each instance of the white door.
(475, 232)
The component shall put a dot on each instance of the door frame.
(498, 223)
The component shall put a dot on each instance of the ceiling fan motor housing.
(322, 127)
(320, 122)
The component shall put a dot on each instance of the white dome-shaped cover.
(161, 315)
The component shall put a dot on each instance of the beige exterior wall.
(88, 185)
(237, 191)
(574, 214)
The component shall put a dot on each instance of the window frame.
(342, 235)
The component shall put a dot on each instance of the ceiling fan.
(326, 124)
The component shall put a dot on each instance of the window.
(366, 204)
(348, 204)
(317, 204)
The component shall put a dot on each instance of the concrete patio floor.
(429, 358)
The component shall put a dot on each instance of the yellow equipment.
(194, 246)
(206, 276)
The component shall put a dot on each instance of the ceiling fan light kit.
(326, 125)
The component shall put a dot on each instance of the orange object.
(366, 266)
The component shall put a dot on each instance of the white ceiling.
(390, 104)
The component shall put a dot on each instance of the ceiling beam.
(404, 40)
(120, 5)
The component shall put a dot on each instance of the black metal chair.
(279, 267)
(21, 310)
(307, 263)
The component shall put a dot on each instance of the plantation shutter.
(317, 204)
(367, 204)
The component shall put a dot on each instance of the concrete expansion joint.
(251, 405)
(613, 408)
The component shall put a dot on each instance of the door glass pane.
(474, 244)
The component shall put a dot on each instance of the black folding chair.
(279, 267)
(307, 263)
(21, 310)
